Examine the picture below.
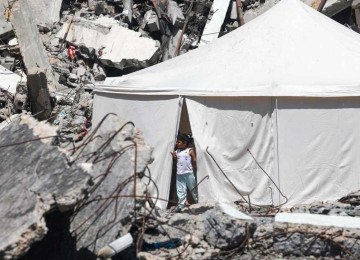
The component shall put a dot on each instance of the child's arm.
(192, 155)
(173, 154)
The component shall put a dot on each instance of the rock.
(30, 190)
(302, 234)
(132, 51)
(112, 157)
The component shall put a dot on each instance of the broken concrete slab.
(117, 154)
(119, 46)
(175, 14)
(6, 29)
(39, 95)
(219, 229)
(31, 47)
(151, 22)
(173, 49)
(332, 7)
(35, 178)
(215, 21)
(45, 12)
(9, 80)
(127, 12)
(302, 234)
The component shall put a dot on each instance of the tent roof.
(291, 50)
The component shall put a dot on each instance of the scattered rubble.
(27, 188)
(52, 54)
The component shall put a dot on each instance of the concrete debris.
(26, 32)
(52, 54)
(132, 50)
(151, 22)
(175, 14)
(127, 12)
(45, 12)
(301, 234)
(117, 152)
(356, 7)
(21, 98)
(6, 105)
(39, 93)
(29, 190)
(215, 21)
(6, 29)
(9, 80)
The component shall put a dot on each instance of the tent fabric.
(226, 128)
(157, 120)
(269, 56)
(319, 147)
(285, 87)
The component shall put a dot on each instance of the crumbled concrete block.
(6, 29)
(35, 178)
(99, 72)
(103, 215)
(151, 21)
(26, 32)
(175, 14)
(131, 50)
(39, 93)
(45, 12)
(13, 42)
(215, 21)
(303, 234)
(210, 222)
(20, 98)
(9, 80)
(127, 12)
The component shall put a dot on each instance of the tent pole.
(277, 142)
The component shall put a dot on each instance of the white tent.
(281, 93)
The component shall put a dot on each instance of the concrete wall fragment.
(31, 47)
(119, 46)
(39, 96)
(35, 177)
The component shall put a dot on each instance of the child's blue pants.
(183, 181)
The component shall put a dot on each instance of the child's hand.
(173, 154)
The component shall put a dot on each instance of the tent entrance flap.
(184, 126)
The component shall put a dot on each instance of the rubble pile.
(52, 54)
(77, 44)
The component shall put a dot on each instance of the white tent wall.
(228, 127)
(157, 118)
(319, 147)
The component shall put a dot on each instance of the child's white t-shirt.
(183, 161)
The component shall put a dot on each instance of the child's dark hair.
(185, 138)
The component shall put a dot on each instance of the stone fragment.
(175, 14)
(9, 80)
(39, 93)
(217, 228)
(35, 178)
(215, 21)
(20, 98)
(99, 72)
(105, 214)
(131, 50)
(303, 234)
(151, 21)
(26, 32)
(127, 11)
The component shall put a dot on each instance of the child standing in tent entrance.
(185, 162)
